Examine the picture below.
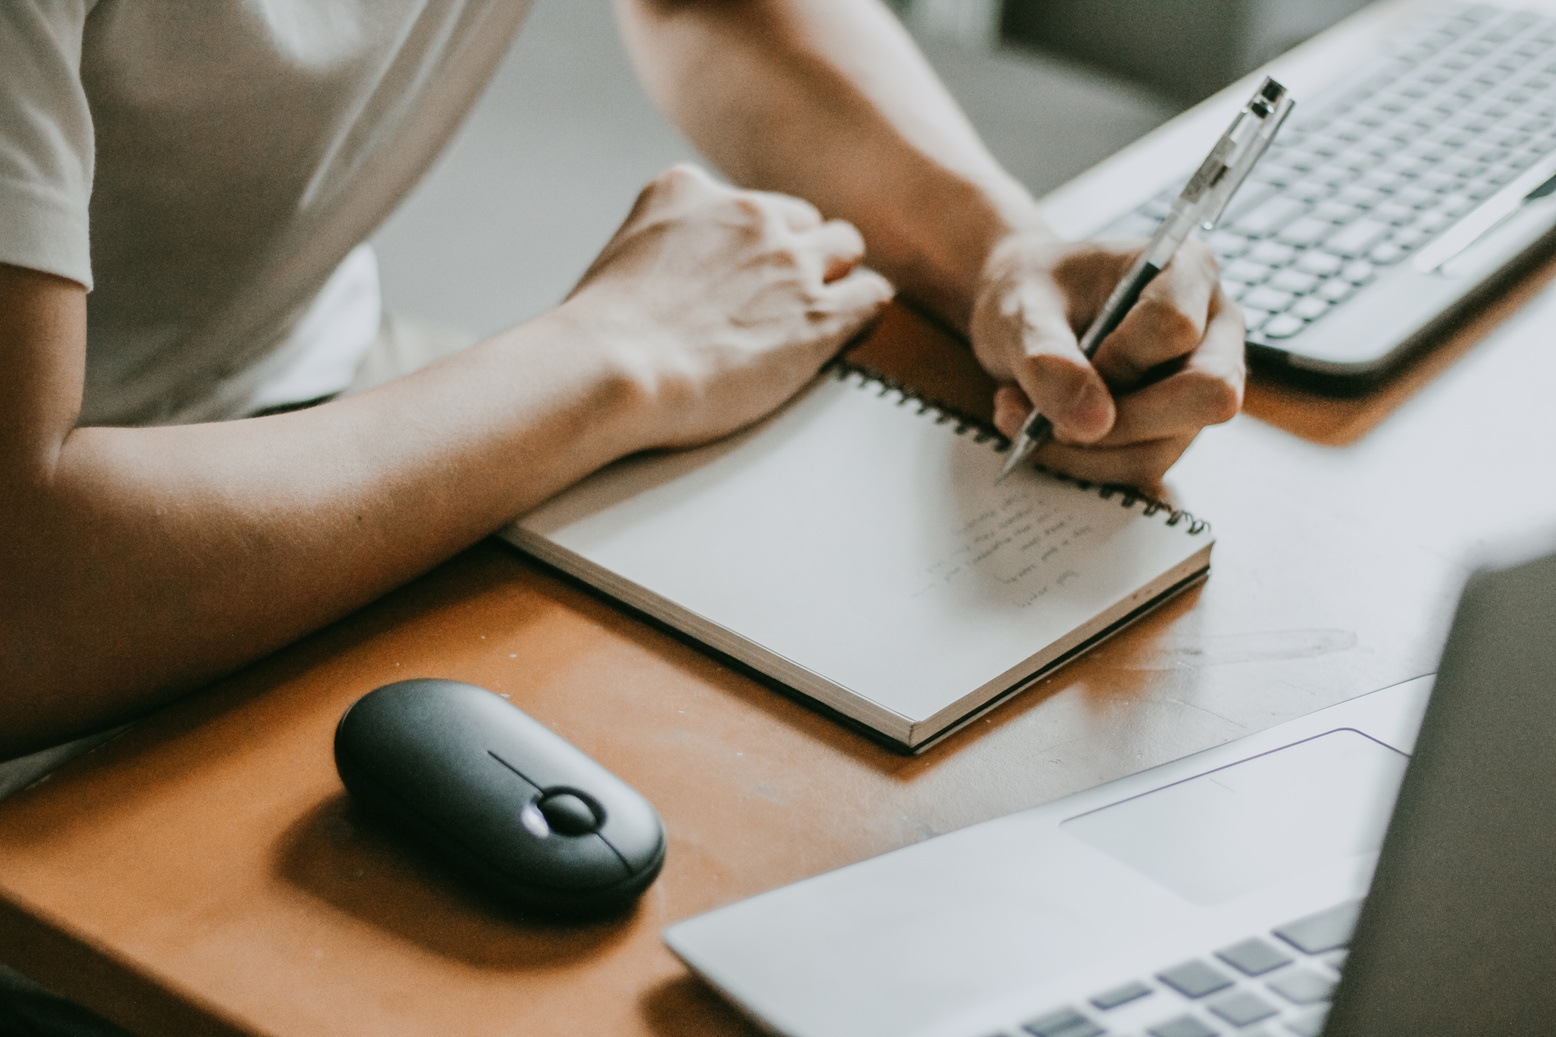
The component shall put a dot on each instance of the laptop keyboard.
(1275, 984)
(1464, 105)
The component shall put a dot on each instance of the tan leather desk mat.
(205, 874)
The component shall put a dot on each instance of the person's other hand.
(721, 303)
(1172, 367)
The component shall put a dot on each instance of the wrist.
(953, 275)
(616, 389)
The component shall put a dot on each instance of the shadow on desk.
(1342, 421)
(687, 1007)
(337, 854)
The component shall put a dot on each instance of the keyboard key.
(1359, 272)
(1194, 979)
(1268, 216)
(1309, 190)
(1227, 245)
(1310, 1023)
(1386, 253)
(1255, 957)
(1253, 194)
(1335, 212)
(1334, 959)
(1305, 231)
(1066, 1022)
(1183, 1026)
(1267, 298)
(1293, 281)
(1302, 986)
(1272, 253)
(1356, 239)
(1456, 204)
(1395, 213)
(1336, 290)
(1360, 195)
(1324, 931)
(1253, 318)
(1320, 263)
(1283, 326)
(1245, 271)
(1242, 1008)
(1120, 995)
(1310, 308)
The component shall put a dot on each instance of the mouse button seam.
(661, 845)
(619, 855)
(522, 776)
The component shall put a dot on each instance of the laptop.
(1408, 184)
(1226, 893)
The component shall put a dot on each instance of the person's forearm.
(831, 101)
(142, 562)
(138, 563)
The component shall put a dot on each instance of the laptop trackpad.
(1268, 818)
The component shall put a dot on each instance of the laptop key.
(1302, 986)
(1254, 957)
(1325, 931)
(1242, 1008)
(1283, 326)
(1120, 995)
(1309, 1024)
(1183, 1026)
(1066, 1022)
(1194, 979)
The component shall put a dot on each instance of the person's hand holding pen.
(1161, 355)
(1174, 365)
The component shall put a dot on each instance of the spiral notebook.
(855, 548)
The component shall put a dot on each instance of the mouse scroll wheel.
(569, 813)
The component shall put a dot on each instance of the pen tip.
(1018, 453)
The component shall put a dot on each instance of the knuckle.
(810, 212)
(682, 174)
(750, 207)
(682, 181)
(847, 233)
(1167, 322)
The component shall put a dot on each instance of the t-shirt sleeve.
(46, 144)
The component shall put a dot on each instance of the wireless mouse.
(499, 797)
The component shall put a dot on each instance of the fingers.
(840, 246)
(855, 299)
(1140, 464)
(794, 213)
(1168, 321)
(1157, 422)
(1208, 390)
(1056, 378)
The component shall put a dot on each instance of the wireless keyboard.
(1387, 204)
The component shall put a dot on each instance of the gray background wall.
(549, 162)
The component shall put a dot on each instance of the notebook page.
(858, 536)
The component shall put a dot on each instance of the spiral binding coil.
(983, 432)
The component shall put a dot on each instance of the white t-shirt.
(209, 168)
(205, 167)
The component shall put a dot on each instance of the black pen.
(1200, 204)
